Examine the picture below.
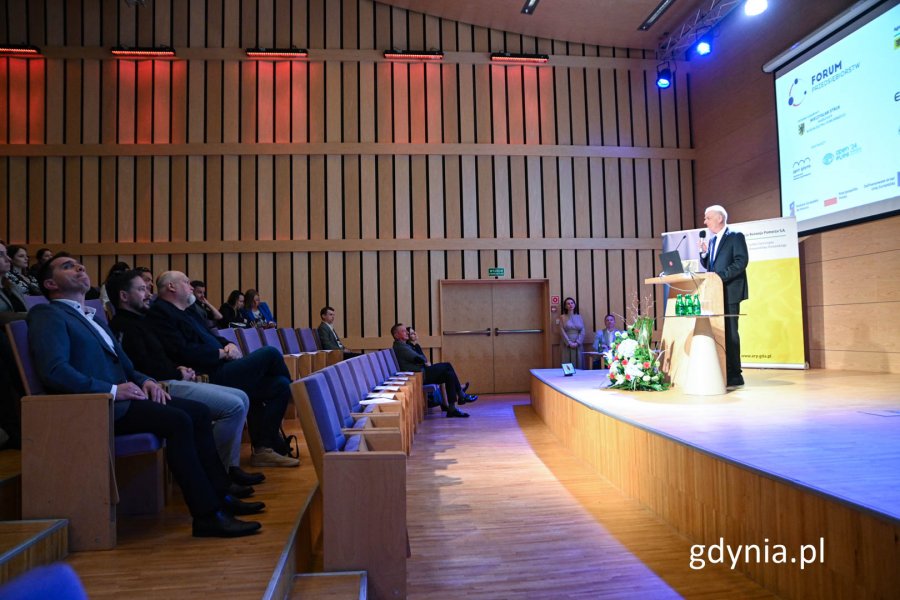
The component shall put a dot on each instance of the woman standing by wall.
(571, 328)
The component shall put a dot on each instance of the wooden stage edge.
(711, 468)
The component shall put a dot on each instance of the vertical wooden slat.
(54, 198)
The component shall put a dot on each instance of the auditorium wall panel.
(344, 179)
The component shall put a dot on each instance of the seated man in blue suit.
(75, 354)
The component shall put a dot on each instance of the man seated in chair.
(328, 337)
(75, 354)
(261, 374)
(604, 339)
(441, 373)
(228, 406)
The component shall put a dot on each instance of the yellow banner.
(772, 331)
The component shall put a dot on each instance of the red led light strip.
(520, 58)
(414, 55)
(19, 51)
(143, 52)
(263, 53)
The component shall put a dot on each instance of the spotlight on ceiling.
(703, 47)
(663, 75)
(412, 55)
(143, 52)
(755, 7)
(510, 57)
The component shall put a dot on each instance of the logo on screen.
(801, 128)
(828, 158)
(801, 168)
(796, 98)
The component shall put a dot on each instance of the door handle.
(498, 331)
(470, 332)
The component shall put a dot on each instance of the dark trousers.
(190, 448)
(266, 379)
(732, 344)
(443, 373)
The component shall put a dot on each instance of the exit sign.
(496, 271)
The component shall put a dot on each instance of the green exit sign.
(496, 272)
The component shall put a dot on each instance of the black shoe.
(237, 507)
(735, 381)
(464, 387)
(467, 399)
(221, 524)
(242, 477)
(457, 414)
(240, 491)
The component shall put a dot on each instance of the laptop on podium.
(671, 263)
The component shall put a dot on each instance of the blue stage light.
(703, 48)
(663, 76)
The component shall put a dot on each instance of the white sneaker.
(266, 457)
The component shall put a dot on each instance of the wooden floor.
(156, 557)
(497, 509)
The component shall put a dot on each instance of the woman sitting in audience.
(18, 274)
(231, 311)
(119, 267)
(42, 256)
(256, 311)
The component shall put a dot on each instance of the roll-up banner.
(772, 331)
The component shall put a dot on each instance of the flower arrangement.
(633, 365)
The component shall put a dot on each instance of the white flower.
(627, 348)
(619, 378)
(646, 378)
(634, 369)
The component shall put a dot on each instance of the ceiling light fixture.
(755, 7)
(529, 7)
(654, 16)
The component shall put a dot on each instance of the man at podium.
(726, 255)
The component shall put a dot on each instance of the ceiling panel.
(598, 22)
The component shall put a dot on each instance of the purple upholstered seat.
(229, 334)
(271, 338)
(309, 339)
(327, 420)
(289, 340)
(125, 445)
(32, 301)
(58, 581)
(249, 340)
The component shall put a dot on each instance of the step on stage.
(794, 464)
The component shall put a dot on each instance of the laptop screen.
(671, 263)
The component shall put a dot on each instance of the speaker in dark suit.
(726, 255)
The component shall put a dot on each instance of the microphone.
(702, 234)
(681, 241)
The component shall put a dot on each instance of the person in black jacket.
(441, 373)
(262, 374)
(227, 406)
(727, 256)
(231, 311)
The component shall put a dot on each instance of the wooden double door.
(495, 331)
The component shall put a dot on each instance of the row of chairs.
(84, 486)
(358, 418)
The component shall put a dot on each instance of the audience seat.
(57, 581)
(82, 486)
(248, 340)
(229, 334)
(363, 481)
(31, 301)
(272, 338)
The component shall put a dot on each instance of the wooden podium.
(702, 337)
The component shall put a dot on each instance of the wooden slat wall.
(346, 179)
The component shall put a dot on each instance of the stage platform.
(792, 457)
